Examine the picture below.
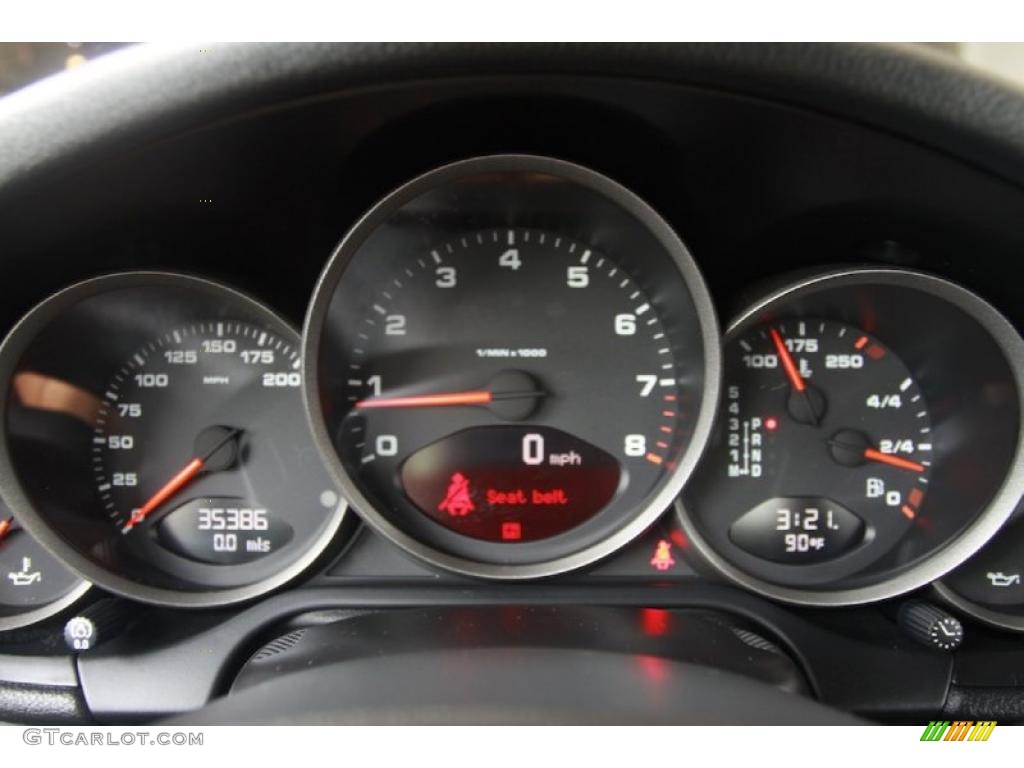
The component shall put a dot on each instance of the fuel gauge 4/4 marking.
(866, 440)
(827, 441)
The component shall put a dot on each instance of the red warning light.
(457, 502)
(511, 530)
(679, 539)
(771, 423)
(662, 559)
(655, 621)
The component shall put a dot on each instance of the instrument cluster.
(511, 367)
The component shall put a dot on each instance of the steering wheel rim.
(514, 685)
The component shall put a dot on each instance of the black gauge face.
(509, 394)
(856, 449)
(33, 583)
(459, 359)
(827, 443)
(171, 442)
(189, 475)
(990, 586)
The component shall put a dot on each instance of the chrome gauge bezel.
(987, 521)
(632, 205)
(986, 615)
(43, 612)
(14, 494)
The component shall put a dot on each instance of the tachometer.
(511, 366)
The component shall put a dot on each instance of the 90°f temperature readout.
(826, 440)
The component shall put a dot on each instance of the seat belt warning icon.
(457, 502)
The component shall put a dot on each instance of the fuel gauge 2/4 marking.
(869, 438)
(827, 444)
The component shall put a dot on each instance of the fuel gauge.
(827, 443)
(868, 441)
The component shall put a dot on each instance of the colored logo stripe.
(982, 730)
(959, 730)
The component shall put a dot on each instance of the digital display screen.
(223, 531)
(798, 530)
(510, 483)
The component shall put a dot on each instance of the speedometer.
(170, 409)
(173, 422)
(511, 365)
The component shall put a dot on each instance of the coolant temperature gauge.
(868, 438)
(826, 444)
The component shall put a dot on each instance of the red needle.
(787, 362)
(474, 397)
(5, 527)
(175, 484)
(872, 455)
(179, 481)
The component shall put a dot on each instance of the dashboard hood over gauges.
(111, 106)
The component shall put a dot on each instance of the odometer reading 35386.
(173, 408)
(513, 385)
(174, 446)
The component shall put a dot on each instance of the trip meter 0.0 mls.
(154, 439)
(511, 366)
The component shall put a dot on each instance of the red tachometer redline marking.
(860, 343)
(893, 461)
(171, 487)
(475, 397)
(654, 458)
(5, 527)
(787, 361)
(908, 512)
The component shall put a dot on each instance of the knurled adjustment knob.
(931, 626)
(97, 623)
